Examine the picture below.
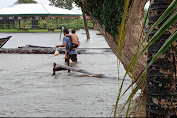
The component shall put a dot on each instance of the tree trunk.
(132, 38)
(161, 75)
(85, 21)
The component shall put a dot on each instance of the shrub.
(43, 25)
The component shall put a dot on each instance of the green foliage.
(51, 26)
(52, 23)
(43, 25)
(67, 4)
(90, 25)
(72, 23)
(25, 1)
(106, 12)
(145, 14)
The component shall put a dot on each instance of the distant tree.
(25, 1)
(67, 4)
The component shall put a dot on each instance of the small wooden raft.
(57, 67)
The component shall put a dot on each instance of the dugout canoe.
(4, 40)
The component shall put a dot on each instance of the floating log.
(51, 50)
(62, 67)
(34, 46)
(57, 67)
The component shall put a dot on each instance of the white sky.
(8, 3)
(147, 5)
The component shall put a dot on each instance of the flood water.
(51, 39)
(27, 88)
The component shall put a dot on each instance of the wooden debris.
(51, 50)
(57, 67)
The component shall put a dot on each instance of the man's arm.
(68, 34)
(63, 45)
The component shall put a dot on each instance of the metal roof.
(36, 10)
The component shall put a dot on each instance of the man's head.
(66, 31)
(73, 31)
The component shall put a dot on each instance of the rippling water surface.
(51, 39)
(28, 89)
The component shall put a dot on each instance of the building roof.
(36, 10)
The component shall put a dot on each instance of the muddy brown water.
(27, 88)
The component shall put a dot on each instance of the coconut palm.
(161, 75)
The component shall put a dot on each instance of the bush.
(43, 25)
(90, 25)
(51, 26)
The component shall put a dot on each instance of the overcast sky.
(8, 3)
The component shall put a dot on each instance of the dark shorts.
(71, 47)
(73, 58)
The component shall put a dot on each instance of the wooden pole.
(78, 22)
(58, 22)
(13, 23)
(19, 23)
(4, 22)
(47, 23)
(24, 23)
(68, 23)
(39, 21)
(85, 22)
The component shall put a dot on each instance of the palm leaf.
(119, 56)
(140, 79)
(161, 18)
(171, 39)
